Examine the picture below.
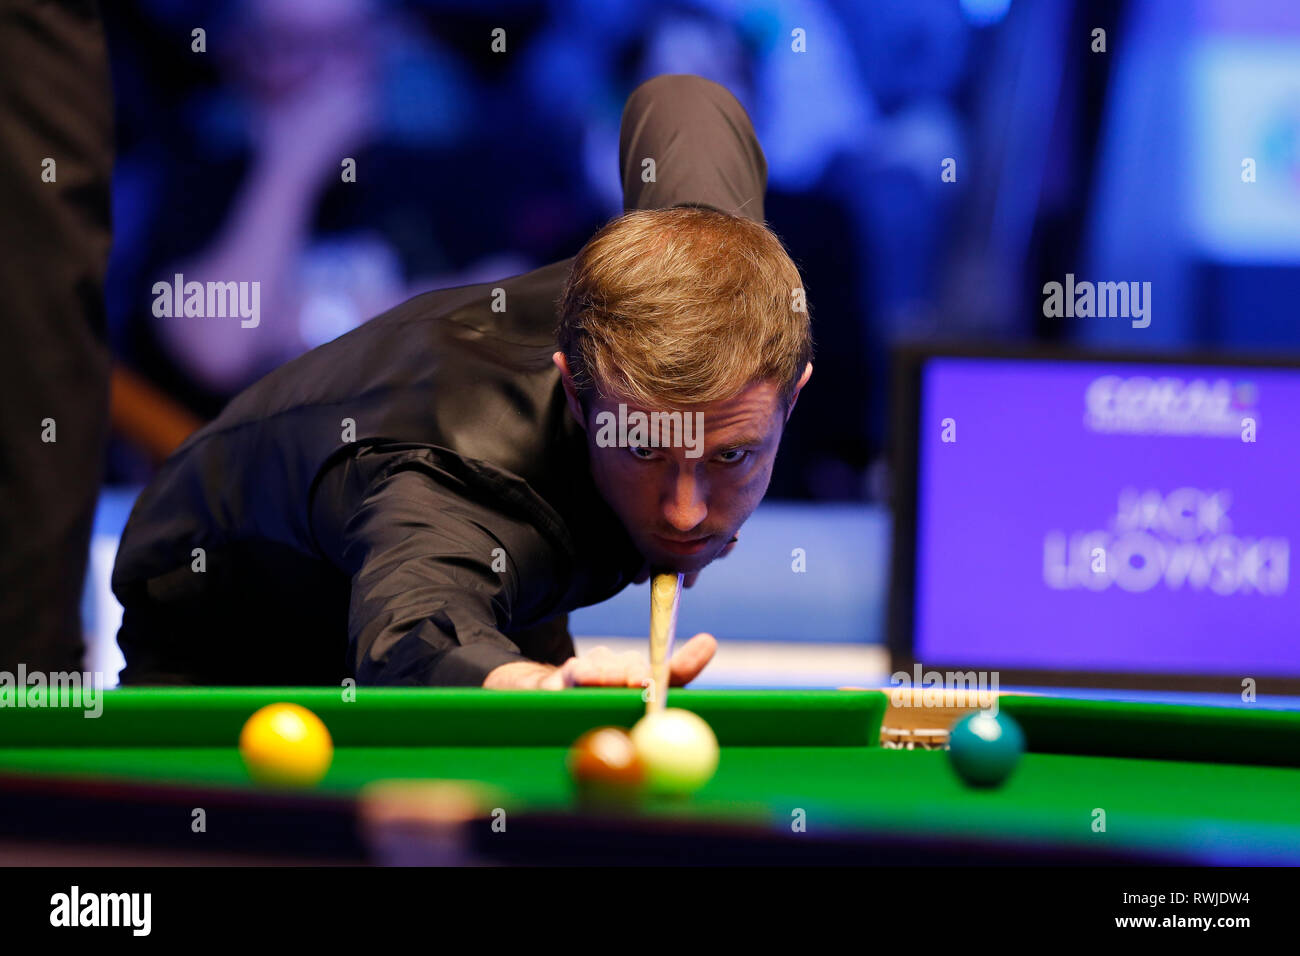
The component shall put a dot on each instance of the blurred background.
(1104, 139)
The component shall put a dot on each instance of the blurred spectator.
(240, 179)
(56, 157)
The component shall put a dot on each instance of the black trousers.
(56, 154)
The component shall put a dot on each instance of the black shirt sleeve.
(437, 575)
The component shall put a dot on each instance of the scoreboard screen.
(1086, 516)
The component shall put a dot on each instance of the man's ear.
(807, 374)
(570, 391)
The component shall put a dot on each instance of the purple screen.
(1108, 517)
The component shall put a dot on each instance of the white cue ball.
(679, 751)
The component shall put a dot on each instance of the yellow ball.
(286, 745)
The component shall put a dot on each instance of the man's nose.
(685, 506)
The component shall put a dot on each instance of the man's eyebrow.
(735, 444)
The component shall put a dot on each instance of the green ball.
(984, 748)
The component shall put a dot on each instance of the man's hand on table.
(601, 667)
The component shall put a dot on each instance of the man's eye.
(640, 453)
(733, 457)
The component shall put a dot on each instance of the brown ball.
(605, 766)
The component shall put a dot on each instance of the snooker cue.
(665, 590)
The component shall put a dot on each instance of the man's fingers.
(584, 671)
(636, 670)
(691, 658)
(561, 677)
(603, 672)
(602, 667)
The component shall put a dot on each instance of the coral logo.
(1141, 405)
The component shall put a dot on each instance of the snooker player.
(423, 500)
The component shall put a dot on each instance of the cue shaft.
(665, 594)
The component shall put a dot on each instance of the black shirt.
(411, 503)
